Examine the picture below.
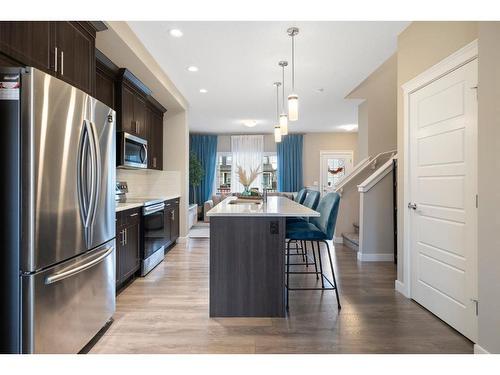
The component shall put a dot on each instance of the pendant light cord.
(293, 63)
(278, 102)
(283, 89)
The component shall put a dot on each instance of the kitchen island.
(247, 256)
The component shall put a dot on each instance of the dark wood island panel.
(247, 266)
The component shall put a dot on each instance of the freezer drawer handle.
(82, 267)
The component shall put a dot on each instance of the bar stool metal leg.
(314, 258)
(320, 265)
(333, 274)
(287, 272)
(304, 249)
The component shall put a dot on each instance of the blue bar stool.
(317, 230)
(301, 195)
(311, 200)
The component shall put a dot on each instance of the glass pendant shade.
(293, 107)
(277, 134)
(284, 124)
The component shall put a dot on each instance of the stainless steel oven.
(156, 235)
(132, 151)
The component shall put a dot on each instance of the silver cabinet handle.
(68, 272)
(134, 214)
(55, 59)
(126, 236)
(62, 63)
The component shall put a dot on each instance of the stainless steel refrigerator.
(58, 259)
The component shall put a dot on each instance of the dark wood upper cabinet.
(64, 49)
(105, 78)
(28, 42)
(154, 119)
(74, 44)
(131, 96)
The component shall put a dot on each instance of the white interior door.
(334, 166)
(443, 186)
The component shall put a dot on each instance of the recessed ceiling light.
(249, 123)
(192, 68)
(349, 127)
(176, 33)
(203, 91)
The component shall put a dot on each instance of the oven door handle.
(154, 208)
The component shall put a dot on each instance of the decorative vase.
(246, 191)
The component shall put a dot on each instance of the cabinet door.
(76, 50)
(28, 42)
(127, 110)
(174, 224)
(105, 89)
(156, 139)
(140, 117)
(131, 256)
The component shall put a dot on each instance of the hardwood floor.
(167, 312)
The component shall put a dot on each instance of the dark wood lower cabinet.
(172, 214)
(128, 245)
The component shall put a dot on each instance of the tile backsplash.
(150, 183)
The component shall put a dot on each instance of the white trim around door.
(450, 64)
(348, 154)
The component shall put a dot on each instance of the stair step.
(351, 240)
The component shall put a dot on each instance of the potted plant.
(196, 173)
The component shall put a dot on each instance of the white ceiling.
(238, 63)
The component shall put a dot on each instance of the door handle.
(55, 59)
(62, 63)
(413, 206)
(126, 236)
(68, 272)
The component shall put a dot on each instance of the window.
(223, 173)
(269, 167)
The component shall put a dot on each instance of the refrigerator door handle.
(96, 168)
(82, 175)
(68, 272)
(93, 174)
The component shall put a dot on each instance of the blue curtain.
(205, 148)
(289, 152)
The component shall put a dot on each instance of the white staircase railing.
(375, 177)
(370, 162)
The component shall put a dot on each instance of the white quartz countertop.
(129, 205)
(275, 206)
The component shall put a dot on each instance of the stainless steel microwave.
(131, 151)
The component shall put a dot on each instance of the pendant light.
(283, 115)
(277, 129)
(293, 98)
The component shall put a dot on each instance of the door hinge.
(476, 303)
(477, 201)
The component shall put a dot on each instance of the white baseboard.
(375, 257)
(182, 240)
(401, 288)
(480, 350)
(338, 239)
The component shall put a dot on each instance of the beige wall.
(377, 120)
(363, 131)
(176, 158)
(316, 142)
(488, 183)
(420, 46)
